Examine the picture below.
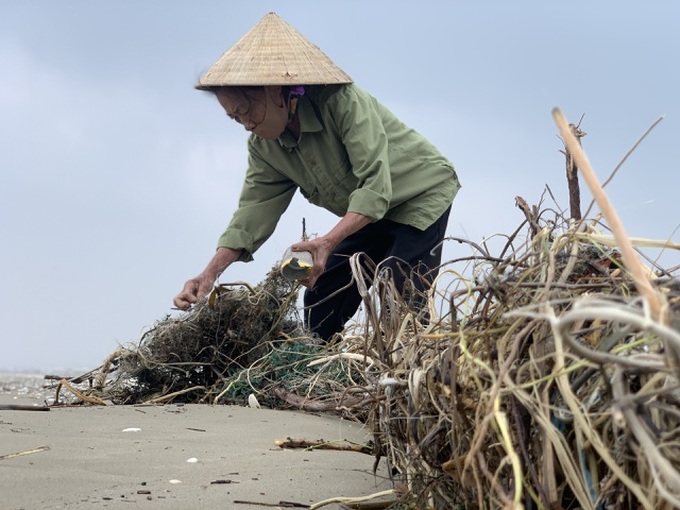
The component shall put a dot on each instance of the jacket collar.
(309, 123)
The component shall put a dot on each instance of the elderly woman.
(345, 152)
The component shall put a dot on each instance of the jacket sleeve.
(361, 128)
(265, 196)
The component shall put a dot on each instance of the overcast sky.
(118, 177)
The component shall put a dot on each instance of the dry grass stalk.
(632, 262)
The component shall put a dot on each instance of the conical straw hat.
(273, 53)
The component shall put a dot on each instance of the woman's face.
(260, 111)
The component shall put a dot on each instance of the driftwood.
(320, 444)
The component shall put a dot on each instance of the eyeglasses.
(243, 117)
(249, 116)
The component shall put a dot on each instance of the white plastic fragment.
(391, 381)
(192, 460)
(132, 429)
(175, 481)
(252, 401)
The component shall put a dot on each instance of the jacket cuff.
(369, 203)
(238, 240)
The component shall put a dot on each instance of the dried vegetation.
(545, 376)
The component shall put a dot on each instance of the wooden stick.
(320, 444)
(280, 504)
(572, 177)
(638, 272)
(19, 407)
(25, 452)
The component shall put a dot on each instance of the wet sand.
(172, 456)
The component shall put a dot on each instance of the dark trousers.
(407, 251)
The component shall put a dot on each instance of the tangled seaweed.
(187, 358)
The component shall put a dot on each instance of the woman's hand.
(322, 247)
(197, 288)
(194, 290)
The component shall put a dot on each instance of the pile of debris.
(546, 375)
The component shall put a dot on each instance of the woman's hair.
(245, 90)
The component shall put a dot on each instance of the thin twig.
(25, 452)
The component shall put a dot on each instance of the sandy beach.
(172, 456)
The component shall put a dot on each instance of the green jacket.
(353, 155)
